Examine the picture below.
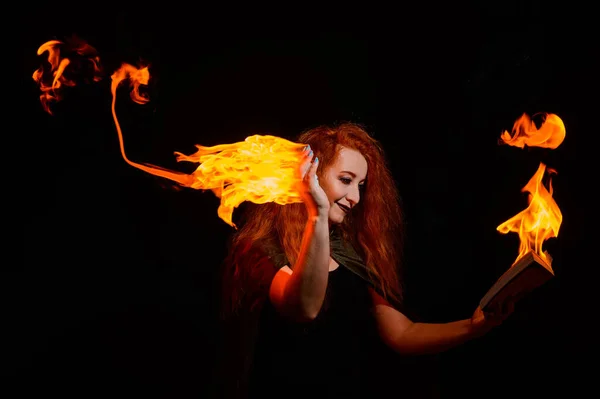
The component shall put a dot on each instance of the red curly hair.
(374, 227)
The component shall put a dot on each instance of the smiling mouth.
(344, 208)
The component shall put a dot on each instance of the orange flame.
(540, 221)
(52, 81)
(137, 77)
(260, 169)
(524, 132)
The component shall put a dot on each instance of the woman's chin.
(337, 217)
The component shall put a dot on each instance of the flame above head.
(540, 221)
(260, 169)
(76, 54)
(525, 133)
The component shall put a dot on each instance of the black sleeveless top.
(331, 355)
(327, 356)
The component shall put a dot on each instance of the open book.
(528, 273)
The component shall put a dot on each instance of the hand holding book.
(528, 273)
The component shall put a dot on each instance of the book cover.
(524, 276)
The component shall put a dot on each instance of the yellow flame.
(540, 221)
(260, 169)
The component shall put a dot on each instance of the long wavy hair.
(374, 227)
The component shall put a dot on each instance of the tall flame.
(260, 169)
(51, 81)
(524, 132)
(541, 220)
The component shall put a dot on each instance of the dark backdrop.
(111, 284)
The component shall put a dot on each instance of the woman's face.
(342, 181)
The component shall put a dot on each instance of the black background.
(111, 290)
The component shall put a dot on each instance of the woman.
(314, 285)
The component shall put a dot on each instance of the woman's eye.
(345, 180)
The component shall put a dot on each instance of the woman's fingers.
(307, 162)
(508, 308)
(500, 312)
(312, 173)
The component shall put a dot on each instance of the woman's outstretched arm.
(407, 337)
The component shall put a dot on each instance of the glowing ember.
(77, 56)
(260, 169)
(524, 133)
(541, 220)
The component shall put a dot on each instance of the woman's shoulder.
(263, 250)
(273, 251)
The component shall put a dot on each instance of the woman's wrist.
(318, 217)
(320, 213)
